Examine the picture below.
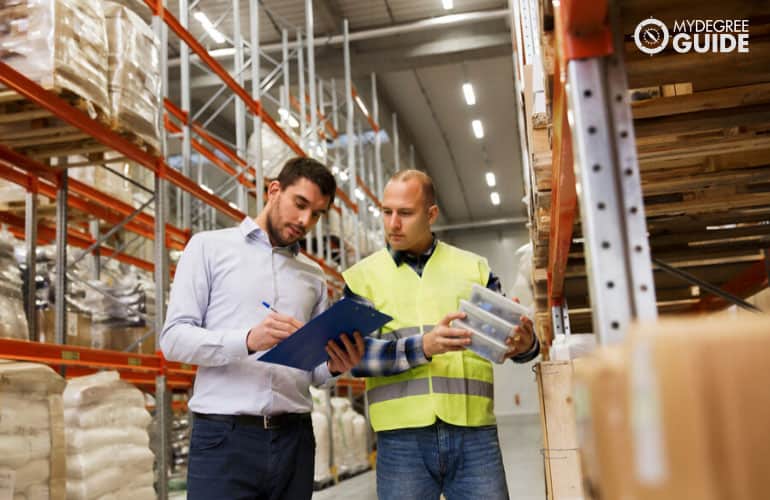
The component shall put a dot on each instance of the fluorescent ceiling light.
(470, 97)
(376, 212)
(491, 180)
(344, 175)
(478, 129)
(359, 194)
(209, 27)
(335, 170)
(362, 105)
(448, 4)
(494, 197)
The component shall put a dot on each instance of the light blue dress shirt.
(220, 283)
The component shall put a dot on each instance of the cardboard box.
(700, 409)
(600, 389)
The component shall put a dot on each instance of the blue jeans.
(420, 464)
(231, 461)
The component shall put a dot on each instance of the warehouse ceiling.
(420, 74)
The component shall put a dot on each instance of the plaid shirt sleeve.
(387, 357)
(390, 357)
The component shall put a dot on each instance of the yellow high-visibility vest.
(456, 387)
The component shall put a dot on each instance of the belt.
(266, 422)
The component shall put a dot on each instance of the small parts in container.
(498, 305)
(488, 332)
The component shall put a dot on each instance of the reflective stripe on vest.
(469, 387)
(414, 387)
(402, 333)
(441, 385)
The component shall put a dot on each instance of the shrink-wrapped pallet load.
(134, 74)
(275, 152)
(32, 449)
(320, 416)
(60, 44)
(348, 437)
(108, 451)
(13, 321)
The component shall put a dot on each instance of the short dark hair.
(428, 191)
(312, 170)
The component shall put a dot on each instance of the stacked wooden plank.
(702, 125)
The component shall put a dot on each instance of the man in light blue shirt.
(252, 434)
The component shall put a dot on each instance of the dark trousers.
(234, 461)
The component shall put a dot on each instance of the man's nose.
(304, 218)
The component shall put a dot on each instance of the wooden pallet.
(40, 135)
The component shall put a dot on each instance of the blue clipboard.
(306, 348)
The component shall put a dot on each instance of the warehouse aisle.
(521, 440)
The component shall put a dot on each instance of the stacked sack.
(13, 320)
(320, 416)
(60, 44)
(108, 453)
(32, 450)
(134, 74)
(348, 437)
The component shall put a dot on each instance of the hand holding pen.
(273, 329)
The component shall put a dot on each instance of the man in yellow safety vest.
(430, 400)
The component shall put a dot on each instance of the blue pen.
(269, 306)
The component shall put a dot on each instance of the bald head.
(423, 179)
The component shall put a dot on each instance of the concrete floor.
(520, 440)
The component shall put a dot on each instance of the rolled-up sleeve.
(183, 339)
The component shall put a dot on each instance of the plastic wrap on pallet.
(320, 416)
(60, 44)
(32, 449)
(107, 419)
(134, 74)
(274, 153)
(106, 181)
(346, 442)
(13, 319)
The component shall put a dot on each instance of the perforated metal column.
(609, 188)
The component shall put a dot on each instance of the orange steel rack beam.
(140, 369)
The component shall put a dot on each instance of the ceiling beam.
(449, 50)
(482, 224)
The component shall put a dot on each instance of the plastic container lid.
(497, 305)
(485, 322)
(484, 346)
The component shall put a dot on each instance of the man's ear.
(432, 213)
(273, 189)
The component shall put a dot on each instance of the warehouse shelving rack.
(667, 156)
(53, 182)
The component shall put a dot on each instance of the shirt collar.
(399, 255)
(250, 230)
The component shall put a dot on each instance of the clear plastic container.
(498, 305)
(486, 347)
(488, 332)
